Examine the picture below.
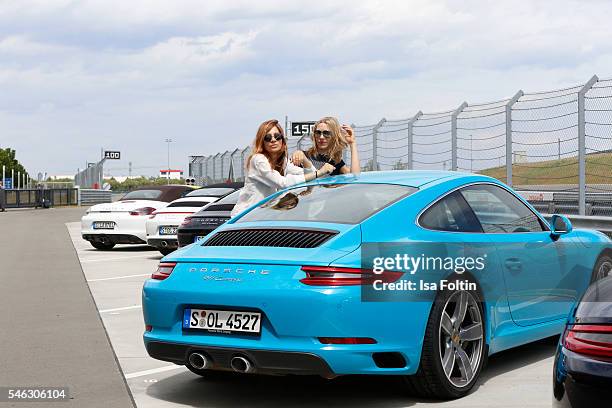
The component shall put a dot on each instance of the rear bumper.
(187, 236)
(113, 238)
(580, 381)
(292, 320)
(264, 361)
(169, 242)
(125, 226)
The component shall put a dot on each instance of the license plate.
(104, 225)
(199, 238)
(168, 230)
(222, 321)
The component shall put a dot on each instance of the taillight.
(347, 340)
(142, 211)
(164, 269)
(589, 339)
(339, 276)
(185, 222)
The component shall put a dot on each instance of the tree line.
(7, 159)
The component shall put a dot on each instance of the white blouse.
(261, 181)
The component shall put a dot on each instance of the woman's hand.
(298, 158)
(350, 136)
(326, 169)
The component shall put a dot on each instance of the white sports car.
(123, 222)
(162, 224)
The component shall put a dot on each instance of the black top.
(319, 160)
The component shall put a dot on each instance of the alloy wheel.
(461, 335)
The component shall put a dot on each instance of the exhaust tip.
(199, 361)
(164, 244)
(241, 365)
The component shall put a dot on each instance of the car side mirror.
(560, 225)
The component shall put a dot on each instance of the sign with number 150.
(301, 128)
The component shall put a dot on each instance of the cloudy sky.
(76, 76)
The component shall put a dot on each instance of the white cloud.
(128, 74)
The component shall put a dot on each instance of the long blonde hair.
(337, 141)
(258, 146)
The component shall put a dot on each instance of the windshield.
(227, 203)
(142, 195)
(337, 203)
(210, 192)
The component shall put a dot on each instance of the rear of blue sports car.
(277, 291)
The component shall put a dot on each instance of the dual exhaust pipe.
(238, 363)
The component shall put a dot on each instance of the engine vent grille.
(220, 207)
(267, 237)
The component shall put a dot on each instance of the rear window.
(142, 195)
(188, 204)
(210, 192)
(337, 203)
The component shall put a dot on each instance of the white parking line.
(153, 371)
(117, 309)
(118, 277)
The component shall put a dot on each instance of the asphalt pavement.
(51, 334)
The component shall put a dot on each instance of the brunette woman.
(268, 168)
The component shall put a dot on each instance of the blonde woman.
(268, 170)
(329, 141)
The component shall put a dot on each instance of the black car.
(163, 224)
(206, 220)
(582, 375)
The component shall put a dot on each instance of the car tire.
(466, 358)
(103, 246)
(603, 267)
(166, 251)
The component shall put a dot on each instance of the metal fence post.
(243, 161)
(345, 152)
(214, 165)
(582, 146)
(411, 123)
(299, 142)
(454, 135)
(509, 105)
(375, 144)
(232, 167)
(223, 156)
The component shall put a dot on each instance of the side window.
(451, 213)
(500, 211)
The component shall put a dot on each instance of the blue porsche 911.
(421, 274)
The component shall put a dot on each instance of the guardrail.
(91, 196)
(563, 202)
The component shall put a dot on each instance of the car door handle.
(514, 265)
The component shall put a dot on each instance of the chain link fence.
(91, 177)
(556, 146)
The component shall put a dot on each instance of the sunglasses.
(276, 136)
(325, 133)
